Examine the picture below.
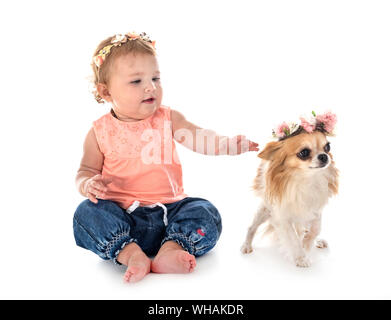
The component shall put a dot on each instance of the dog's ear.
(268, 152)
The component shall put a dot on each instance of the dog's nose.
(323, 158)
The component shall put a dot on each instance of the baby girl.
(131, 165)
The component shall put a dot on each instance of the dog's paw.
(246, 248)
(322, 244)
(303, 262)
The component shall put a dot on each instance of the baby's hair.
(101, 73)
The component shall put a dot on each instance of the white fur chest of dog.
(305, 197)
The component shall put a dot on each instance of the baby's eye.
(136, 81)
(155, 79)
(304, 154)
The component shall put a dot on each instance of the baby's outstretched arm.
(207, 141)
(89, 180)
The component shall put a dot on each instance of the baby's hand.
(243, 145)
(96, 186)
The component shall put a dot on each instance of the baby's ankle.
(171, 245)
(127, 252)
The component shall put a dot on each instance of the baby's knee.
(84, 209)
(211, 211)
(198, 229)
(207, 215)
(91, 213)
(101, 228)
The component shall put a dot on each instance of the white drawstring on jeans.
(136, 204)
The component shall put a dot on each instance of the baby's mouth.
(150, 100)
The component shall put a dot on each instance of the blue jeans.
(105, 228)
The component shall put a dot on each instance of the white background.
(237, 67)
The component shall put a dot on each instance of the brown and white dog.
(295, 179)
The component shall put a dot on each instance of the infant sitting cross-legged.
(131, 174)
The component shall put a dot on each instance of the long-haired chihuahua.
(295, 179)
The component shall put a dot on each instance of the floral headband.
(117, 41)
(323, 122)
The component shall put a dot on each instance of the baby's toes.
(188, 261)
(128, 274)
(135, 273)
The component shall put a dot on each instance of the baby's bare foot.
(173, 259)
(139, 265)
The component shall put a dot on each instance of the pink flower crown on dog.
(324, 123)
(117, 41)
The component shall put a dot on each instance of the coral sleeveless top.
(141, 159)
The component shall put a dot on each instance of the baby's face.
(135, 87)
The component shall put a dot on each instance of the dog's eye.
(304, 154)
(327, 147)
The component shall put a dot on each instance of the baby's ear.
(103, 91)
(268, 152)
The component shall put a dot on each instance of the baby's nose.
(150, 87)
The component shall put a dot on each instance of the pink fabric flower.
(328, 119)
(308, 126)
(282, 130)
